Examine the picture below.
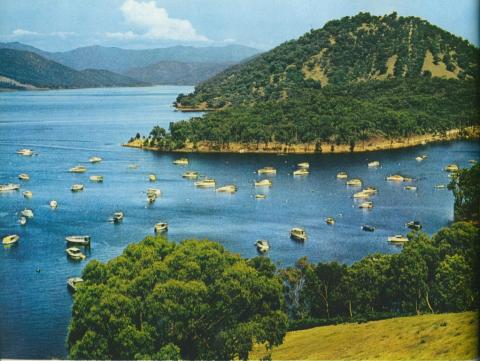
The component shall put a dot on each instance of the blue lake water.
(66, 127)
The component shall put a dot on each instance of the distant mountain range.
(97, 65)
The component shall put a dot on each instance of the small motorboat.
(95, 160)
(28, 194)
(410, 188)
(342, 175)
(416, 225)
(27, 213)
(133, 166)
(263, 183)
(374, 164)
(117, 217)
(9, 187)
(473, 161)
(230, 188)
(368, 228)
(330, 221)
(370, 190)
(190, 174)
(75, 253)
(397, 239)
(421, 158)
(96, 178)
(78, 169)
(152, 177)
(366, 205)
(262, 246)
(151, 198)
(206, 183)
(305, 165)
(260, 196)
(11, 239)
(154, 191)
(361, 194)
(161, 227)
(53, 204)
(78, 240)
(267, 170)
(77, 187)
(395, 178)
(73, 282)
(24, 177)
(300, 172)
(440, 186)
(298, 234)
(25, 152)
(354, 182)
(22, 221)
(452, 168)
(181, 161)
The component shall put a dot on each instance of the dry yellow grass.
(439, 70)
(449, 336)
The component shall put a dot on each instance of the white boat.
(73, 282)
(22, 221)
(27, 213)
(305, 165)
(96, 178)
(473, 161)
(330, 221)
(361, 194)
(263, 183)
(117, 217)
(410, 188)
(370, 190)
(25, 152)
(154, 191)
(75, 253)
(342, 175)
(300, 172)
(9, 187)
(354, 182)
(181, 161)
(11, 239)
(262, 245)
(133, 166)
(152, 177)
(366, 205)
(77, 187)
(230, 188)
(395, 178)
(416, 225)
(374, 164)
(161, 227)
(260, 196)
(267, 170)
(421, 158)
(95, 159)
(27, 194)
(151, 198)
(53, 204)
(440, 186)
(24, 177)
(398, 239)
(452, 168)
(78, 240)
(78, 169)
(190, 174)
(205, 183)
(298, 234)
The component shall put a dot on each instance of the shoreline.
(370, 145)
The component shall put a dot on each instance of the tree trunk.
(350, 308)
(428, 302)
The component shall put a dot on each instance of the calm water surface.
(67, 127)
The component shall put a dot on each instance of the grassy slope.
(434, 337)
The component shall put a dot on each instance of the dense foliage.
(466, 189)
(159, 300)
(343, 114)
(357, 48)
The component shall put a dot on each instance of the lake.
(67, 127)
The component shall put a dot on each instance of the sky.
(58, 25)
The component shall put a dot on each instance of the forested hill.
(352, 49)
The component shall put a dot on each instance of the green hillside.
(31, 69)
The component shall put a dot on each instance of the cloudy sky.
(65, 24)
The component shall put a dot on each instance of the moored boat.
(24, 176)
(263, 183)
(230, 188)
(452, 168)
(260, 196)
(25, 152)
(190, 174)
(151, 198)
(473, 161)
(28, 194)
(152, 177)
(267, 170)
(10, 239)
(154, 191)
(395, 178)
(117, 217)
(206, 183)
(368, 228)
(374, 164)
(78, 169)
(440, 186)
(397, 239)
(354, 182)
(342, 175)
(181, 161)
(410, 188)
(330, 221)
(77, 187)
(22, 221)
(262, 245)
(300, 172)
(27, 213)
(370, 190)
(96, 178)
(298, 234)
(75, 253)
(9, 187)
(161, 227)
(416, 225)
(362, 194)
(95, 159)
(73, 283)
(305, 165)
(78, 240)
(366, 205)
(133, 166)
(53, 204)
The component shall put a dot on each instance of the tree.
(465, 186)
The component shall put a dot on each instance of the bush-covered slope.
(29, 68)
(358, 48)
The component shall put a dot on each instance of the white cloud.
(156, 23)
(22, 32)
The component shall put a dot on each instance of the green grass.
(448, 336)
